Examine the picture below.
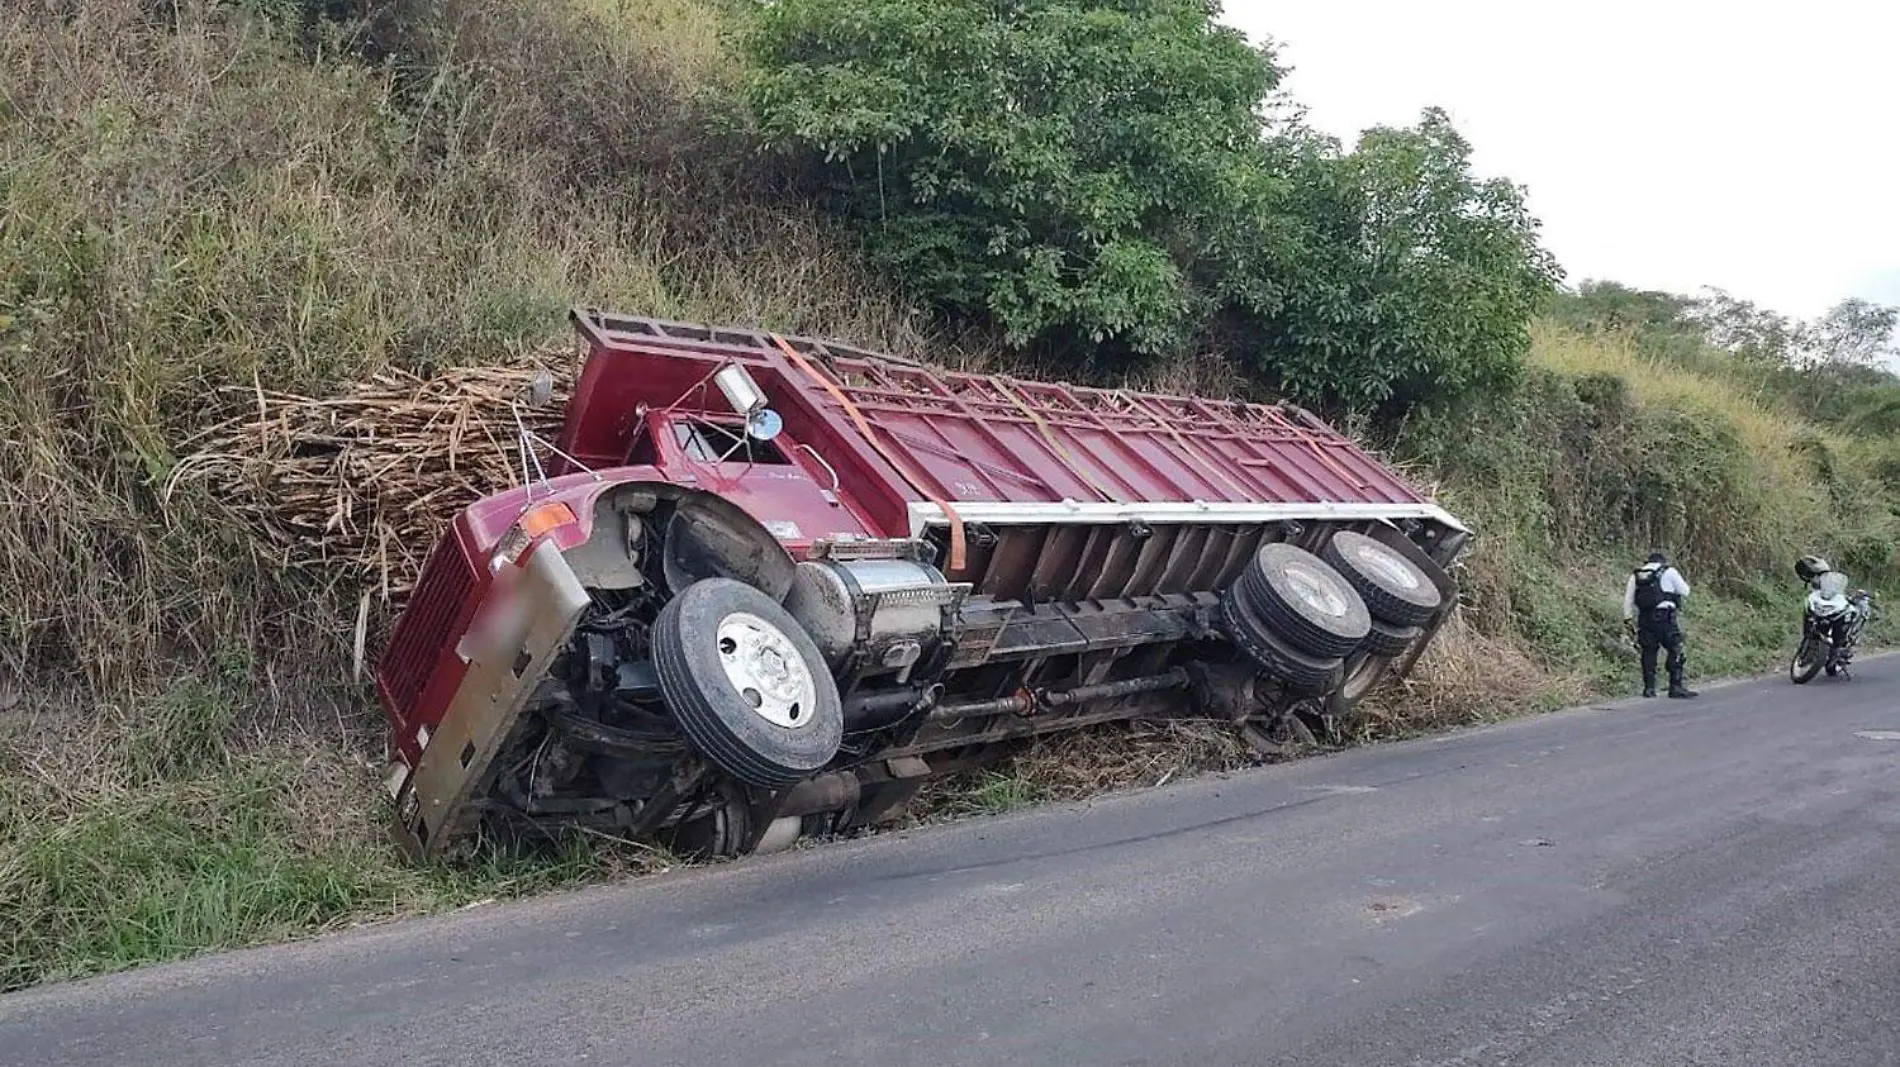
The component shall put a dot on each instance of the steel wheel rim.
(765, 669)
(1389, 566)
(1316, 592)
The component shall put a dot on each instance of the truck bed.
(997, 448)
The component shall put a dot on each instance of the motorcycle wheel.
(1807, 661)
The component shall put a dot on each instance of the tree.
(1854, 332)
(1061, 170)
(1613, 306)
(1100, 177)
(1747, 329)
(1410, 281)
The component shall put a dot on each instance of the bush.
(1407, 281)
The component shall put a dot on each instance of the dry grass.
(1767, 433)
(169, 230)
(685, 38)
(1762, 426)
(1464, 678)
(1085, 763)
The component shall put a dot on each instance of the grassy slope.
(190, 768)
(1613, 453)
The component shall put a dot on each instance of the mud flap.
(530, 620)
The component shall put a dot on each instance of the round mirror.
(539, 390)
(764, 424)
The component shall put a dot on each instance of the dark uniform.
(1650, 603)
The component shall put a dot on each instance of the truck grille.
(422, 632)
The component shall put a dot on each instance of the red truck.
(767, 587)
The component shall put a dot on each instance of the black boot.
(1649, 691)
(1678, 670)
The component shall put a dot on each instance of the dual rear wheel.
(1329, 625)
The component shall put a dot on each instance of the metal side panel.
(533, 619)
(923, 515)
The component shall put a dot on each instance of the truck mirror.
(764, 425)
(539, 390)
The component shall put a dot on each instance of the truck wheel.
(1363, 675)
(1302, 674)
(1305, 601)
(746, 683)
(1395, 589)
(1384, 639)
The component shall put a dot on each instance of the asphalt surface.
(1640, 884)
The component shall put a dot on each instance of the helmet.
(1808, 568)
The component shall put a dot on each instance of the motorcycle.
(1831, 627)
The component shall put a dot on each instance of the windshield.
(1831, 584)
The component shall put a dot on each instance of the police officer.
(1654, 595)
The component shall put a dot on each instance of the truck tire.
(746, 683)
(1385, 639)
(1395, 589)
(1307, 603)
(1302, 674)
(1363, 673)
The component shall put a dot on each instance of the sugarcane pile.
(356, 486)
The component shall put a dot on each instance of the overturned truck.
(766, 587)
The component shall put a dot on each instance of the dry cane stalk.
(364, 480)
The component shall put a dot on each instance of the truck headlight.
(533, 523)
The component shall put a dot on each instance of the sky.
(1673, 144)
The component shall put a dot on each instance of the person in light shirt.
(1651, 601)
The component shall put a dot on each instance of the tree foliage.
(1854, 332)
(1408, 279)
(1100, 177)
(1053, 167)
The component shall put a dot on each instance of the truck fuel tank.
(888, 611)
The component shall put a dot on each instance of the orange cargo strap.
(1049, 436)
(1318, 448)
(957, 542)
(1189, 449)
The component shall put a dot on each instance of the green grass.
(992, 792)
(148, 837)
(179, 868)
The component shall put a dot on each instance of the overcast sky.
(1667, 144)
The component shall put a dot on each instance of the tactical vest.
(1649, 590)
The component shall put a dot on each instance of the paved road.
(1638, 885)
